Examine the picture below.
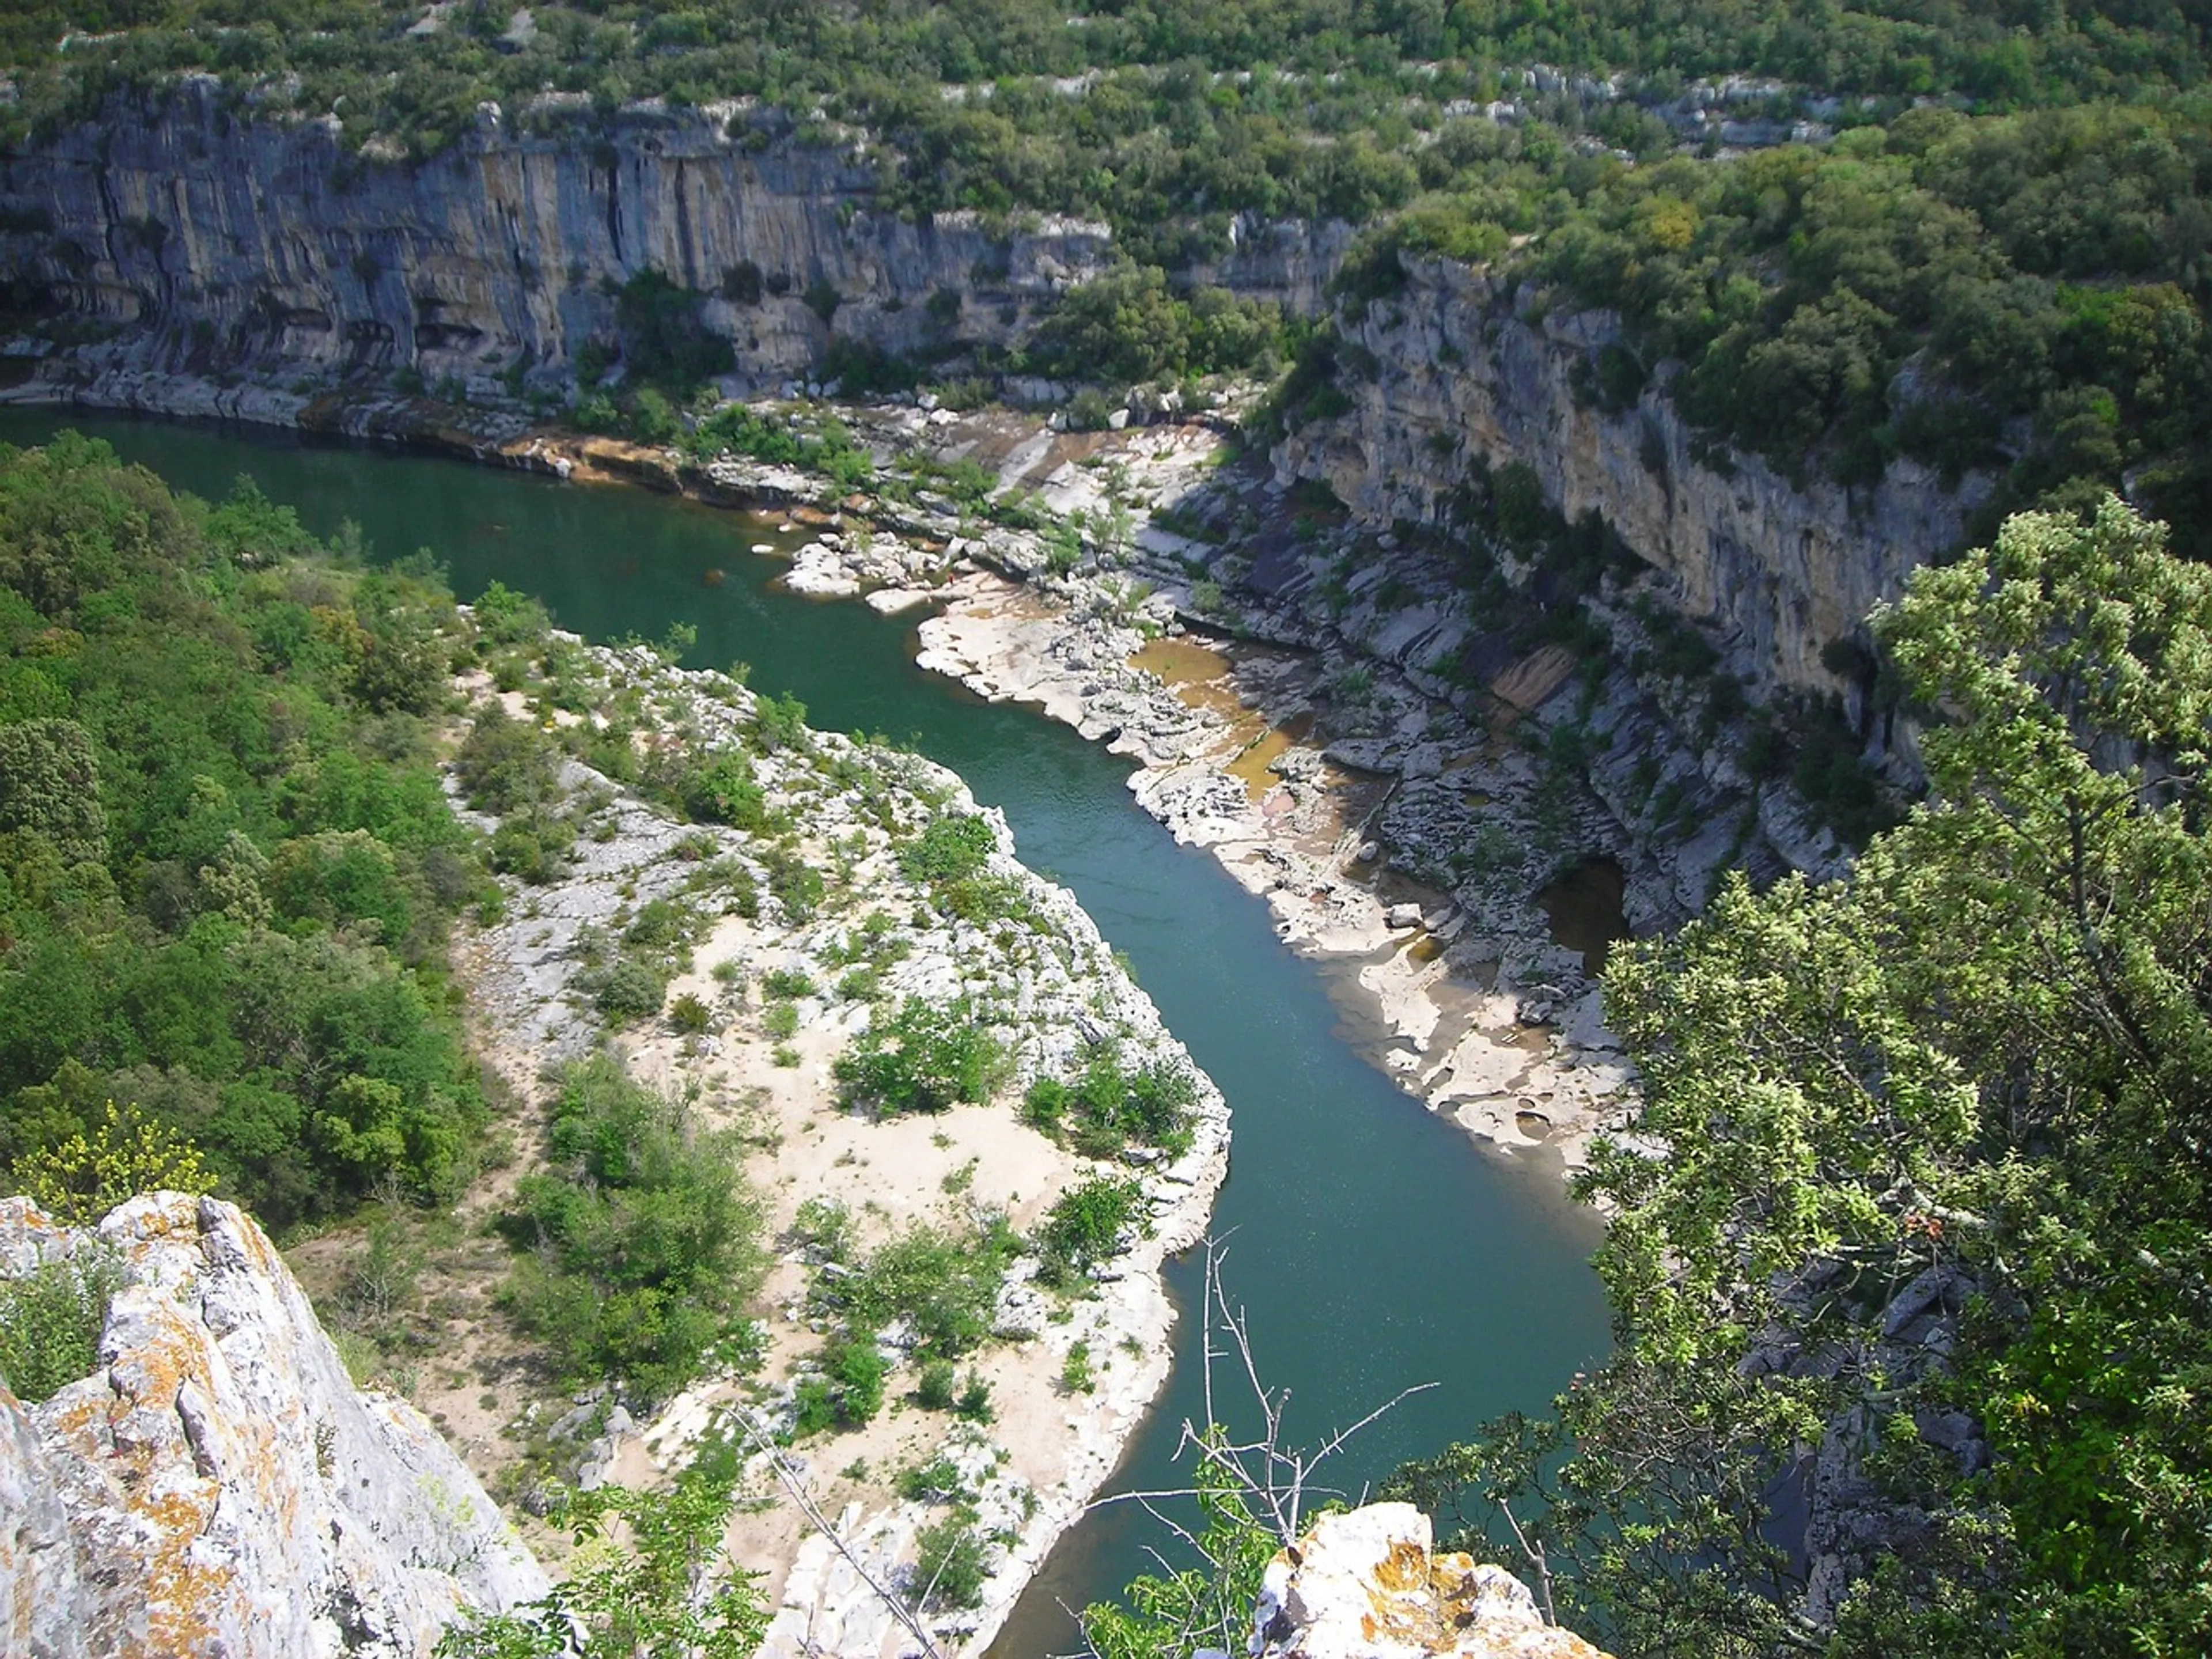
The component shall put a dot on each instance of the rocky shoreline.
(1455, 980)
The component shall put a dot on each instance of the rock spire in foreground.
(218, 1484)
(1368, 1585)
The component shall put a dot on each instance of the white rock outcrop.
(1368, 1585)
(218, 1485)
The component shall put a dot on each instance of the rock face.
(1366, 1585)
(206, 243)
(1463, 370)
(218, 1486)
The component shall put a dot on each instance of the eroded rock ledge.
(218, 1485)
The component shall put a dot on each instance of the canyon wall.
(1458, 366)
(189, 238)
(216, 1485)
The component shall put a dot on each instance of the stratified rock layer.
(218, 1486)
(1368, 1585)
(207, 245)
(1465, 368)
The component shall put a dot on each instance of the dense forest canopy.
(1329, 68)
(227, 865)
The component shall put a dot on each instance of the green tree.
(49, 786)
(1981, 1064)
(667, 1590)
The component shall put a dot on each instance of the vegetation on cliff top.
(2013, 279)
(1162, 120)
(2024, 294)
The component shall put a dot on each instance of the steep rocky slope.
(218, 1486)
(1459, 367)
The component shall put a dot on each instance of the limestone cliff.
(1367, 1585)
(198, 239)
(1460, 366)
(218, 1486)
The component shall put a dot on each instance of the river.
(1371, 1245)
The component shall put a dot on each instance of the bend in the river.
(1371, 1245)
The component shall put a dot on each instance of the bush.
(793, 883)
(720, 788)
(952, 1563)
(1085, 1226)
(80, 1179)
(1107, 1107)
(787, 984)
(944, 1285)
(506, 765)
(935, 1388)
(923, 1060)
(937, 1482)
(974, 1405)
(858, 1370)
(954, 845)
(50, 1324)
(644, 1240)
(629, 988)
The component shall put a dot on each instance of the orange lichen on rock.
(219, 1487)
(1365, 1585)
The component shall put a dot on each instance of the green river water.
(1371, 1245)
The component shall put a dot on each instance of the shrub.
(1075, 1373)
(814, 1407)
(629, 988)
(1107, 1107)
(923, 1060)
(644, 1239)
(944, 1284)
(858, 1370)
(974, 1404)
(50, 1324)
(793, 883)
(506, 765)
(721, 789)
(690, 1015)
(935, 1388)
(954, 847)
(80, 1179)
(952, 1563)
(937, 1482)
(1085, 1226)
(787, 984)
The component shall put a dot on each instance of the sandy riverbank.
(1037, 975)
